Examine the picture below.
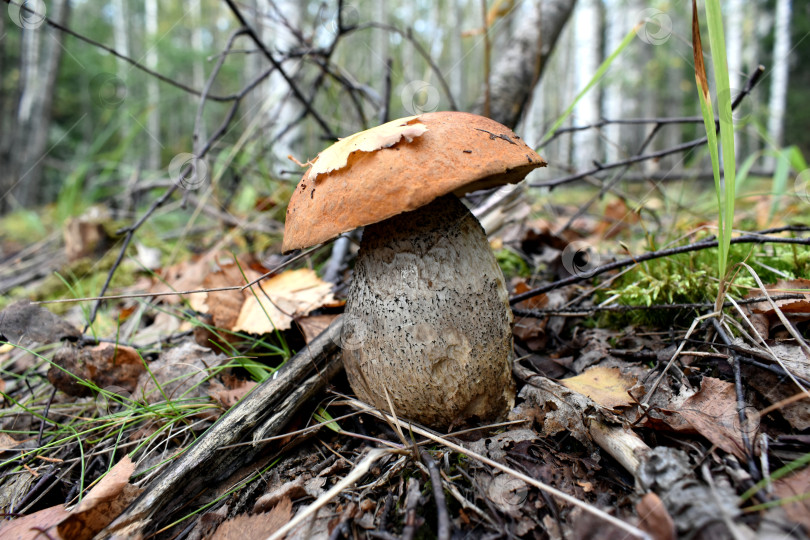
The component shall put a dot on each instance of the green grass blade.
(776, 475)
(745, 169)
(595, 79)
(780, 181)
(714, 20)
(708, 121)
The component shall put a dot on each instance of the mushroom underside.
(428, 320)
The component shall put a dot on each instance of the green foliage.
(600, 72)
(24, 226)
(69, 428)
(512, 264)
(322, 416)
(795, 465)
(798, 96)
(691, 278)
(724, 187)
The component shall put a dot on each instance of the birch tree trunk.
(40, 57)
(121, 43)
(566, 94)
(254, 64)
(586, 62)
(757, 29)
(152, 89)
(616, 22)
(121, 35)
(456, 52)
(779, 74)
(380, 38)
(198, 70)
(279, 108)
(518, 67)
(734, 45)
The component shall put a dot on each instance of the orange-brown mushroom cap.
(400, 166)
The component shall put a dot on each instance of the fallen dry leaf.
(339, 154)
(229, 396)
(775, 390)
(797, 483)
(98, 508)
(7, 442)
(534, 332)
(606, 386)
(293, 489)
(797, 306)
(178, 373)
(764, 317)
(531, 330)
(277, 300)
(555, 409)
(102, 504)
(617, 217)
(87, 236)
(106, 365)
(246, 526)
(184, 276)
(712, 411)
(654, 518)
(495, 446)
(312, 326)
(224, 306)
(32, 526)
(284, 297)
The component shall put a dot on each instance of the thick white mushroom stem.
(428, 319)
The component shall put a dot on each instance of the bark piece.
(523, 59)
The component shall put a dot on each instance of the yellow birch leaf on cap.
(338, 155)
(604, 385)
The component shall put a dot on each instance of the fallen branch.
(592, 310)
(263, 412)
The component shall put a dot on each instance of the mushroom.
(427, 328)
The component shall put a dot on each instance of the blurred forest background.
(81, 124)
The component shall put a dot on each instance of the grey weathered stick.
(270, 405)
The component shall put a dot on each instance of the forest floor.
(650, 411)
